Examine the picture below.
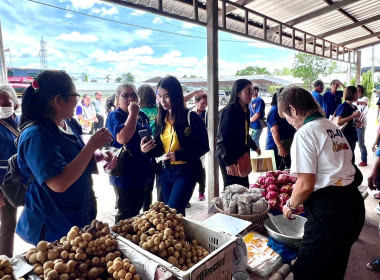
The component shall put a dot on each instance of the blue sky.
(82, 44)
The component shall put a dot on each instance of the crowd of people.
(313, 134)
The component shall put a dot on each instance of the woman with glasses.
(86, 114)
(233, 139)
(125, 124)
(52, 155)
(180, 139)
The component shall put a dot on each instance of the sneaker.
(188, 205)
(377, 209)
(362, 163)
(201, 196)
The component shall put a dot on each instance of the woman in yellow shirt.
(180, 139)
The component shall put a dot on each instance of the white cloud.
(75, 36)
(68, 15)
(105, 12)
(84, 4)
(143, 33)
(129, 55)
(138, 13)
(188, 25)
(158, 20)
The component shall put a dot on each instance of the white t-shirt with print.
(320, 148)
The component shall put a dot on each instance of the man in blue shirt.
(333, 98)
(317, 94)
(257, 114)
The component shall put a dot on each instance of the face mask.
(6, 112)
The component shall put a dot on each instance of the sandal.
(377, 195)
(374, 265)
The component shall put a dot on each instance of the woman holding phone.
(181, 139)
(124, 124)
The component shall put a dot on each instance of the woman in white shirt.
(326, 184)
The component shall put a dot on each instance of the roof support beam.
(360, 39)
(315, 14)
(350, 26)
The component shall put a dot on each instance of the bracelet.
(287, 204)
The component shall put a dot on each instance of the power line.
(131, 25)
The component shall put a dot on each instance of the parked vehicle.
(224, 97)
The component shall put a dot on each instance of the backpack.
(13, 188)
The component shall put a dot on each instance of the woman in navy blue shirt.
(347, 112)
(8, 133)
(124, 124)
(51, 151)
(280, 136)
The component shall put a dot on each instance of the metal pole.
(3, 68)
(213, 97)
(373, 63)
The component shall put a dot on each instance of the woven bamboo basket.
(257, 219)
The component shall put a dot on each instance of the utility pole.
(3, 67)
(43, 54)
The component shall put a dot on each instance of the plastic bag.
(244, 209)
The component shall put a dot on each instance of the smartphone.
(145, 132)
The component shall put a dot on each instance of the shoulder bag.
(243, 165)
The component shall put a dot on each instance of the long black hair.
(174, 88)
(237, 87)
(147, 96)
(35, 102)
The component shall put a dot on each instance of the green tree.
(367, 83)
(193, 76)
(282, 72)
(252, 70)
(184, 76)
(118, 80)
(309, 67)
(353, 81)
(128, 77)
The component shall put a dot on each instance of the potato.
(110, 257)
(7, 277)
(64, 276)
(83, 267)
(128, 276)
(30, 252)
(87, 236)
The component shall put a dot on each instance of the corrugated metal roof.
(336, 21)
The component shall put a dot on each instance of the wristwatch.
(287, 204)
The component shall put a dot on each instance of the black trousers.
(128, 201)
(335, 218)
(98, 125)
(230, 180)
(8, 219)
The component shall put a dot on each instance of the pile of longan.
(160, 231)
(82, 254)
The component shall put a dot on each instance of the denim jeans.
(178, 183)
(256, 133)
(363, 149)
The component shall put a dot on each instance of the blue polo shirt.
(320, 100)
(284, 128)
(344, 110)
(332, 101)
(45, 152)
(257, 105)
(7, 146)
(137, 168)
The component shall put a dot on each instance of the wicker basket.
(258, 218)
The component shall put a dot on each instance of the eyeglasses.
(77, 95)
(249, 92)
(129, 95)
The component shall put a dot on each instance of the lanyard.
(312, 117)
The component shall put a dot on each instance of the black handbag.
(123, 157)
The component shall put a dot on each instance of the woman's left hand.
(232, 170)
(258, 151)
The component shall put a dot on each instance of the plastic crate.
(216, 266)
